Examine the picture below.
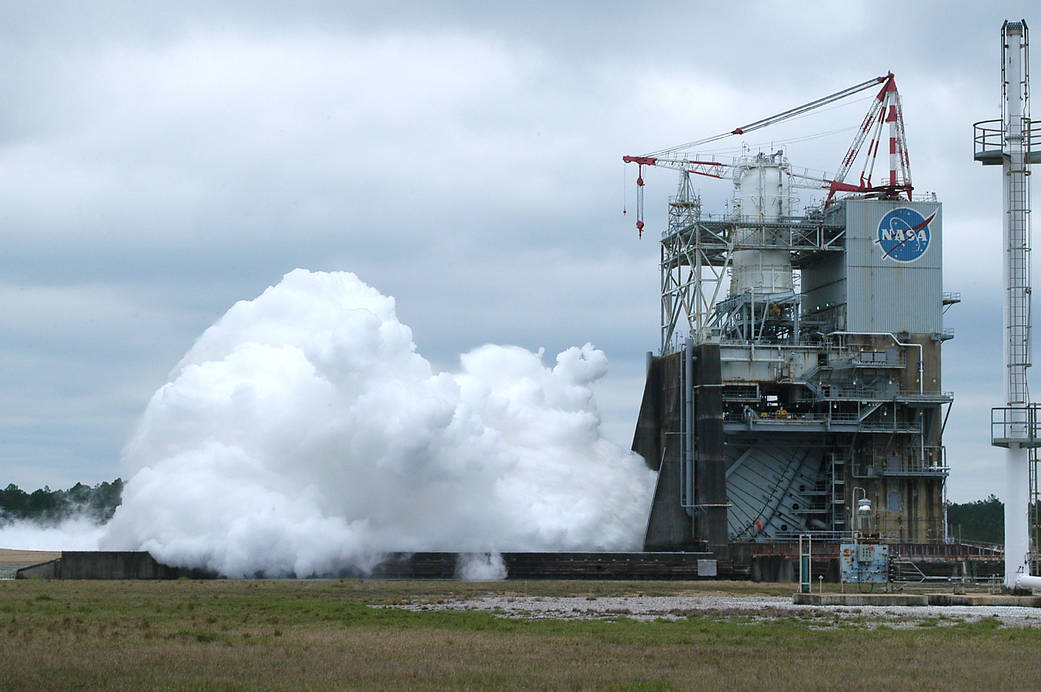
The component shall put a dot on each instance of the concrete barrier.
(983, 599)
(564, 565)
(861, 599)
(108, 565)
(574, 565)
(933, 599)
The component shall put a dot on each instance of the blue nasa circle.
(903, 234)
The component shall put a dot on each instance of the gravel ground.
(646, 608)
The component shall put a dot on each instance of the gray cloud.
(156, 165)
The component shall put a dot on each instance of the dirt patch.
(14, 559)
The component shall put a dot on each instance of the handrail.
(988, 135)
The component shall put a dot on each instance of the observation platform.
(996, 157)
(804, 423)
(1015, 426)
(988, 139)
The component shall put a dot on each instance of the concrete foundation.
(758, 562)
(927, 599)
(628, 566)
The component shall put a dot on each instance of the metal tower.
(793, 370)
(1014, 426)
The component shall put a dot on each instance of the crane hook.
(639, 200)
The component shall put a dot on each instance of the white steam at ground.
(77, 533)
(480, 567)
(303, 434)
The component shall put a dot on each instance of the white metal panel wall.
(747, 363)
(824, 283)
(886, 295)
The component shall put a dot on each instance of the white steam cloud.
(303, 434)
(480, 567)
(76, 533)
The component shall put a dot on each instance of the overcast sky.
(159, 161)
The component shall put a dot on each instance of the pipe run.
(921, 378)
(688, 424)
(1028, 582)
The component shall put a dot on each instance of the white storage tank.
(761, 193)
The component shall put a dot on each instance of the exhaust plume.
(303, 434)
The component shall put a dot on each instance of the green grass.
(312, 634)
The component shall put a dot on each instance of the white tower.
(761, 194)
(1014, 426)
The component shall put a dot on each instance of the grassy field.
(324, 634)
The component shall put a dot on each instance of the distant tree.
(78, 494)
(52, 506)
(982, 520)
(14, 501)
(43, 503)
(104, 499)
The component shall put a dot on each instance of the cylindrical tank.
(864, 514)
(761, 194)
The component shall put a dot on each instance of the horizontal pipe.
(897, 341)
(1026, 581)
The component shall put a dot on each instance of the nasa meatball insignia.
(903, 234)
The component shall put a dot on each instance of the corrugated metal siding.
(824, 283)
(888, 296)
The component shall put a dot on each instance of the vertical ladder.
(805, 562)
(1015, 146)
(1018, 259)
(838, 492)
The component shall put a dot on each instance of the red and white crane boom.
(885, 108)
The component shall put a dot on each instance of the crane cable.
(625, 191)
(781, 142)
(779, 117)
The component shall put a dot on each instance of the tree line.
(980, 521)
(47, 506)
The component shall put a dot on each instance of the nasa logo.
(903, 234)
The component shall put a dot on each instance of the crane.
(885, 109)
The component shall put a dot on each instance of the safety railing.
(988, 138)
(1015, 425)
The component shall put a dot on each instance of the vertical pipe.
(685, 499)
(688, 415)
(943, 492)
(921, 435)
(797, 311)
(667, 299)
(1017, 542)
(1015, 227)
(1016, 304)
(751, 316)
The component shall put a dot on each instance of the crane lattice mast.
(885, 109)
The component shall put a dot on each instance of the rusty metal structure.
(800, 354)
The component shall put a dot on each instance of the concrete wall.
(710, 463)
(669, 527)
(108, 565)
